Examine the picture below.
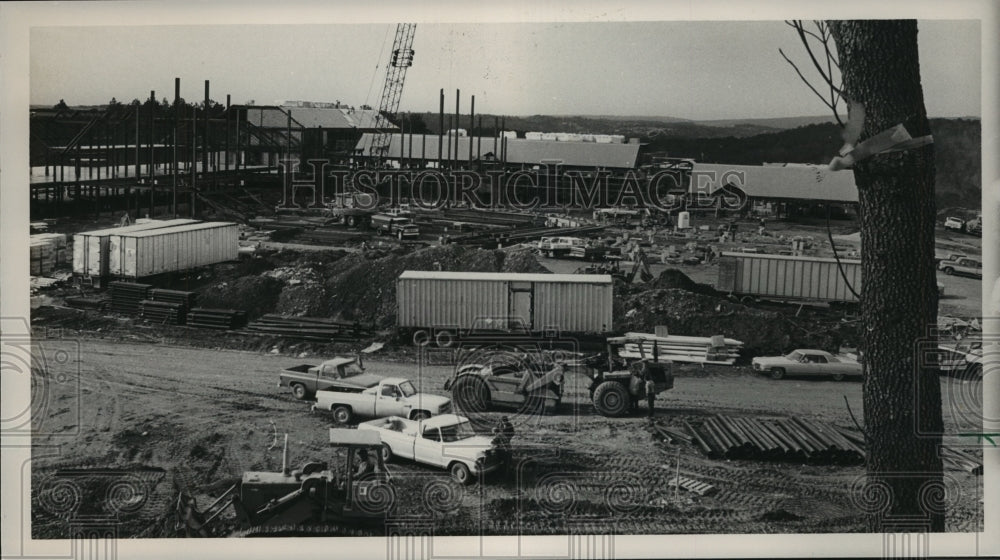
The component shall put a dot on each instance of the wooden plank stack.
(126, 297)
(777, 439)
(692, 349)
(220, 319)
(48, 251)
(185, 299)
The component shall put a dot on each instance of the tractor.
(314, 499)
(617, 379)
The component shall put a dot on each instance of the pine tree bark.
(902, 395)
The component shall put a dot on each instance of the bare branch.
(804, 80)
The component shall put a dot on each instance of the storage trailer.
(141, 254)
(782, 277)
(432, 304)
(90, 248)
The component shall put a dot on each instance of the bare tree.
(879, 67)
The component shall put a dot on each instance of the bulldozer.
(617, 379)
(312, 500)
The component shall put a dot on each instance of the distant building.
(517, 152)
(309, 130)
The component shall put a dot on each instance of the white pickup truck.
(447, 441)
(380, 397)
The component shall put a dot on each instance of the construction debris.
(691, 485)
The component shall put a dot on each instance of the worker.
(506, 428)
(650, 392)
(365, 464)
(760, 229)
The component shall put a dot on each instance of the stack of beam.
(694, 349)
(125, 296)
(308, 328)
(162, 312)
(777, 439)
(185, 299)
(221, 319)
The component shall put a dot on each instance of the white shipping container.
(578, 303)
(147, 253)
(90, 248)
(788, 277)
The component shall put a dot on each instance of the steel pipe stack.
(778, 439)
(126, 296)
(309, 328)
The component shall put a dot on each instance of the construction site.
(309, 318)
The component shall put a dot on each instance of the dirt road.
(199, 418)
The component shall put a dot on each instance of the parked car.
(955, 224)
(808, 363)
(306, 379)
(391, 396)
(963, 265)
(447, 441)
(964, 359)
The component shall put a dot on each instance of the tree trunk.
(902, 393)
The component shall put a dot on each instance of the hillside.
(957, 144)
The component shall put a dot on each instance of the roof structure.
(314, 117)
(519, 150)
(789, 181)
(506, 277)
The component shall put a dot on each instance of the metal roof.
(187, 227)
(519, 150)
(791, 181)
(506, 277)
(358, 438)
(154, 224)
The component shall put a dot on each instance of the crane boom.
(400, 59)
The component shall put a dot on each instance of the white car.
(391, 396)
(559, 246)
(954, 223)
(447, 441)
(808, 363)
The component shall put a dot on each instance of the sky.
(693, 70)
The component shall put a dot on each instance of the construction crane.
(400, 59)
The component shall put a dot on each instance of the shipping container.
(147, 253)
(563, 303)
(90, 248)
(788, 277)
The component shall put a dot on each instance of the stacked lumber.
(48, 250)
(162, 312)
(692, 349)
(308, 328)
(777, 439)
(126, 296)
(221, 319)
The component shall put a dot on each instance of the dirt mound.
(365, 290)
(762, 331)
(673, 278)
(257, 295)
